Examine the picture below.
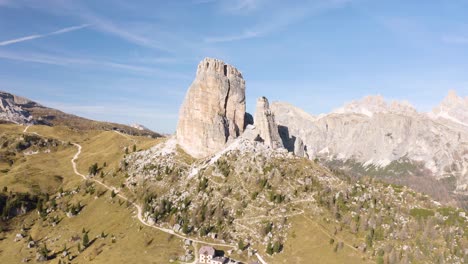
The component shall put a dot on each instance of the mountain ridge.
(20, 110)
(374, 133)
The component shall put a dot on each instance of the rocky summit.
(213, 111)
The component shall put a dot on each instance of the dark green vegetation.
(13, 204)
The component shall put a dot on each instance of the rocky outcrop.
(392, 139)
(266, 125)
(11, 109)
(213, 111)
(299, 148)
(452, 108)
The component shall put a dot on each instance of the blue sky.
(132, 61)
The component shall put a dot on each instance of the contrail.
(31, 37)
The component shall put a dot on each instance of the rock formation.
(213, 110)
(391, 139)
(11, 109)
(452, 108)
(299, 148)
(266, 126)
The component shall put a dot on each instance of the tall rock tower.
(213, 110)
(266, 125)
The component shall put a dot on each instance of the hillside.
(19, 110)
(253, 196)
(41, 169)
(304, 208)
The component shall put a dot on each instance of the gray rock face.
(266, 125)
(213, 111)
(11, 109)
(299, 148)
(376, 134)
(452, 108)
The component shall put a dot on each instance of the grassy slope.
(41, 172)
(135, 242)
(310, 243)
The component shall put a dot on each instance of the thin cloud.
(278, 18)
(99, 22)
(108, 26)
(233, 6)
(242, 6)
(37, 36)
(245, 35)
(99, 64)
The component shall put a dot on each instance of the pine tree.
(241, 245)
(277, 247)
(44, 251)
(269, 249)
(85, 240)
(369, 240)
(93, 169)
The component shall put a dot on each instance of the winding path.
(138, 207)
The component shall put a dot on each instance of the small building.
(206, 254)
(219, 260)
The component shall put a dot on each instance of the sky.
(132, 61)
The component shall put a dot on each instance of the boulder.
(213, 111)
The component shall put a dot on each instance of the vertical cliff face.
(265, 123)
(213, 110)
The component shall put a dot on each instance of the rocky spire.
(213, 110)
(266, 126)
(454, 108)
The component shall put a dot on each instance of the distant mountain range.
(20, 110)
(428, 151)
